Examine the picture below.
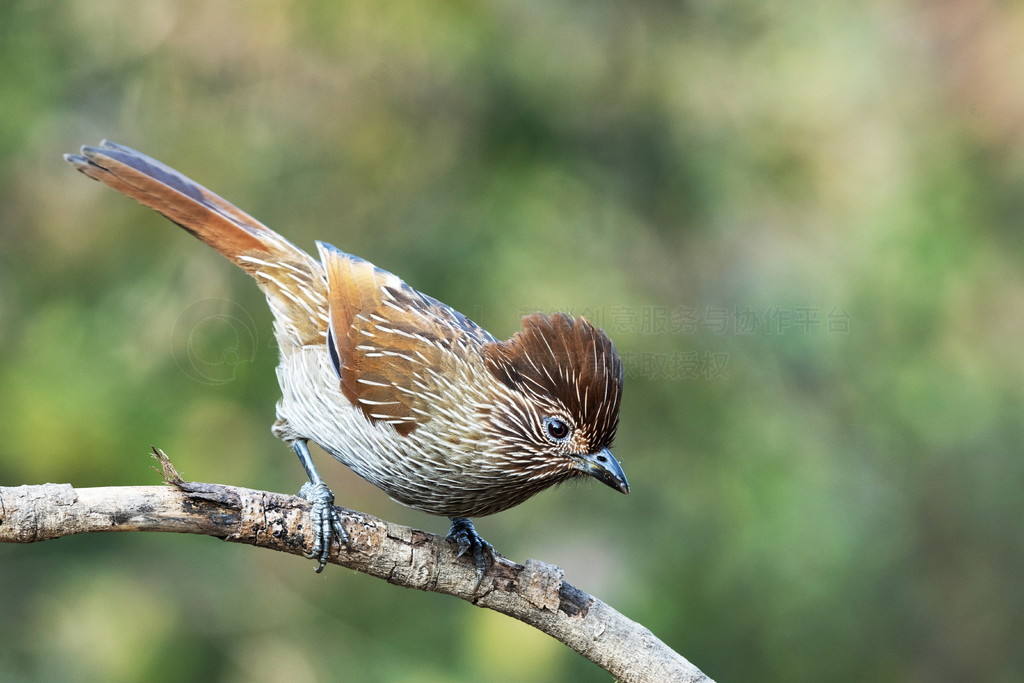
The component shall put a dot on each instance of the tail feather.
(209, 217)
(292, 280)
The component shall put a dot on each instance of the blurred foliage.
(799, 222)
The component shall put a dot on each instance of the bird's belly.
(433, 480)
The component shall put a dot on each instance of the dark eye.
(556, 429)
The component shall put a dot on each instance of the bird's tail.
(292, 280)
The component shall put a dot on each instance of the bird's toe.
(325, 520)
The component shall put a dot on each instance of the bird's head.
(558, 418)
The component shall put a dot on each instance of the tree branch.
(534, 593)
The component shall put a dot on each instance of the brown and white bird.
(410, 394)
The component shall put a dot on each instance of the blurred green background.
(800, 222)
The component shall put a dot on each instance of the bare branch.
(534, 593)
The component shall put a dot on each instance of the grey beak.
(605, 468)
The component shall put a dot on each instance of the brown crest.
(569, 360)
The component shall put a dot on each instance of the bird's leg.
(324, 517)
(464, 535)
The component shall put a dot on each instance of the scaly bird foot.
(464, 535)
(325, 520)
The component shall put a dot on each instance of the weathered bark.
(534, 593)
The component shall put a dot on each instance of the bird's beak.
(604, 467)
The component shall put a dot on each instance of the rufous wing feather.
(391, 344)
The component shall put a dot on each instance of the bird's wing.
(391, 345)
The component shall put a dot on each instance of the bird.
(407, 392)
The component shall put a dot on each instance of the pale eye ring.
(556, 430)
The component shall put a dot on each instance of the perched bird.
(410, 394)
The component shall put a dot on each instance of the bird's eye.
(556, 429)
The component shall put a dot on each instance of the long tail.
(292, 280)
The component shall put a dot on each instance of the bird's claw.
(464, 535)
(325, 520)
